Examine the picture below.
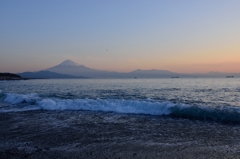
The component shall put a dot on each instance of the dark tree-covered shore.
(9, 76)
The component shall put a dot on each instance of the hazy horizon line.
(197, 66)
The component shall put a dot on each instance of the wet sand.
(83, 134)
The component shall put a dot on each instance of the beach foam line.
(148, 107)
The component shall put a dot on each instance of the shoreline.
(86, 134)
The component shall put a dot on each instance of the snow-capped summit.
(69, 67)
(68, 63)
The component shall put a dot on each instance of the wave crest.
(21, 98)
(108, 105)
(148, 107)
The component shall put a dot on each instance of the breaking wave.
(26, 102)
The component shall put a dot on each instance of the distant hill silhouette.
(9, 76)
(46, 74)
(154, 73)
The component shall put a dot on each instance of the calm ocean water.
(197, 99)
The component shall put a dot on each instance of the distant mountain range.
(70, 69)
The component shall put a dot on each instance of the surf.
(27, 102)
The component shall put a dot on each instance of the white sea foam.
(108, 105)
(27, 108)
(21, 102)
(20, 98)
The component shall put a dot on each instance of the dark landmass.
(45, 75)
(83, 134)
(10, 76)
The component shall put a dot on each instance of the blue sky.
(121, 35)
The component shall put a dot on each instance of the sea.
(204, 99)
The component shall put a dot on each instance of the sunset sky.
(185, 36)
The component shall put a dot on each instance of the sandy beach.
(85, 134)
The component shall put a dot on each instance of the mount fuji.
(68, 63)
(72, 68)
